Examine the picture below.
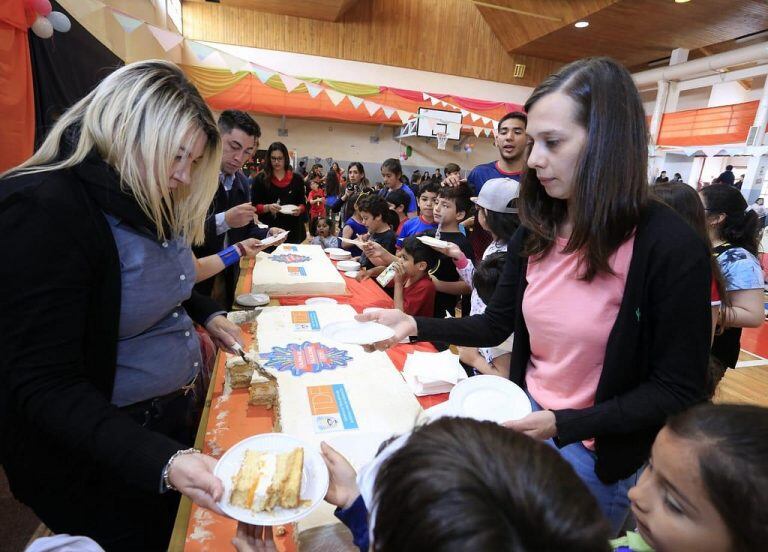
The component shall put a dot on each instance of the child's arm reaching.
(452, 288)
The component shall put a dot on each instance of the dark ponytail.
(740, 227)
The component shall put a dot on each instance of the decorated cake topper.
(290, 258)
(305, 357)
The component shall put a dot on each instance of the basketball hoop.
(442, 140)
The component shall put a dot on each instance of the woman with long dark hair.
(687, 203)
(279, 194)
(332, 193)
(607, 292)
(734, 234)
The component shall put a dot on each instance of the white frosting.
(320, 276)
(236, 360)
(267, 469)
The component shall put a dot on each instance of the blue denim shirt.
(158, 350)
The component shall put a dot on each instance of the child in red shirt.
(414, 290)
(316, 199)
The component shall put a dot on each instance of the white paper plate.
(490, 398)
(351, 273)
(433, 242)
(252, 299)
(357, 333)
(269, 240)
(287, 209)
(336, 251)
(320, 301)
(314, 478)
(348, 265)
(346, 257)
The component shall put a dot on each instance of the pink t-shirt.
(569, 321)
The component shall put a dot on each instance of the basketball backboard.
(432, 121)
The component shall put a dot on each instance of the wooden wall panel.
(443, 36)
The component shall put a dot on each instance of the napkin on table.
(432, 373)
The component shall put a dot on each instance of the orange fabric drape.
(17, 103)
(711, 126)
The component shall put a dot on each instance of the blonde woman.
(98, 346)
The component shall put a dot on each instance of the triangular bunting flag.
(372, 107)
(464, 112)
(404, 115)
(263, 74)
(314, 90)
(443, 104)
(388, 111)
(167, 39)
(475, 117)
(434, 101)
(424, 96)
(129, 24)
(234, 64)
(335, 97)
(290, 83)
(486, 120)
(355, 101)
(477, 130)
(216, 59)
(201, 50)
(487, 131)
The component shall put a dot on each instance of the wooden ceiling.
(324, 10)
(639, 31)
(482, 39)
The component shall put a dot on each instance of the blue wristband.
(229, 256)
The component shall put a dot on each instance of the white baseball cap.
(497, 194)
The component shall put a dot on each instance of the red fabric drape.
(17, 105)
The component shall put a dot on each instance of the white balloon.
(42, 27)
(59, 21)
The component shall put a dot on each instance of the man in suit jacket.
(231, 214)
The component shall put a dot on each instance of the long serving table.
(228, 419)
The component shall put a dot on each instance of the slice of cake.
(268, 479)
(239, 372)
(262, 388)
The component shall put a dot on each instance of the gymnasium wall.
(351, 142)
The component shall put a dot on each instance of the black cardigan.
(657, 353)
(60, 305)
(264, 192)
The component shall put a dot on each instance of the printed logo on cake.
(290, 247)
(290, 258)
(300, 358)
(296, 271)
(305, 321)
(330, 408)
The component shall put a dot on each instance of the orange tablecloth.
(230, 419)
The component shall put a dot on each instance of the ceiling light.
(682, 1)
(581, 24)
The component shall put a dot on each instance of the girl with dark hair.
(279, 194)
(459, 484)
(607, 293)
(704, 488)
(332, 193)
(353, 224)
(391, 171)
(734, 234)
(687, 203)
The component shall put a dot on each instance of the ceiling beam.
(519, 12)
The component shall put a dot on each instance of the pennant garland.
(167, 39)
(128, 23)
(371, 107)
(335, 97)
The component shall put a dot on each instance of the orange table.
(228, 419)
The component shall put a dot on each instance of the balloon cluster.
(468, 148)
(404, 155)
(47, 20)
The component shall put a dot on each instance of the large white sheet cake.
(297, 270)
(332, 391)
